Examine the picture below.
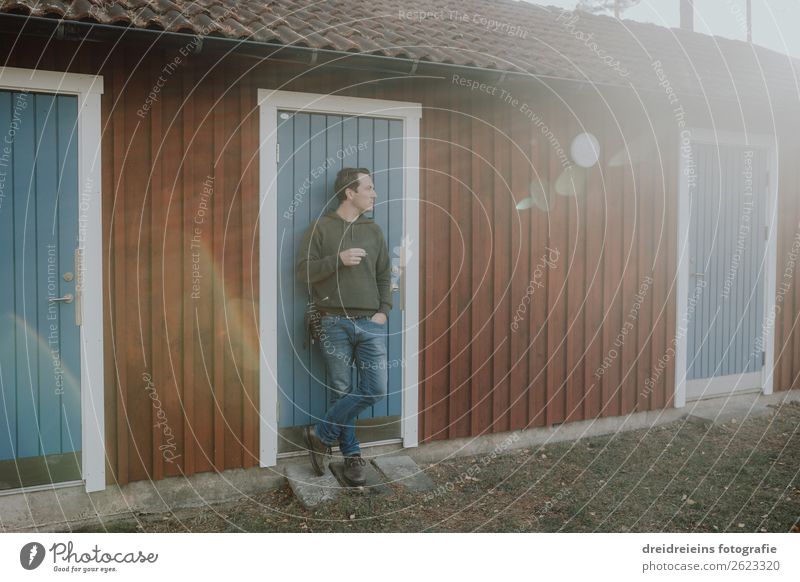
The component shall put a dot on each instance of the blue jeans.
(345, 342)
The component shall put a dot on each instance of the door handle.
(699, 275)
(65, 299)
(79, 287)
(401, 282)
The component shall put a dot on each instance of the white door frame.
(270, 102)
(769, 143)
(89, 280)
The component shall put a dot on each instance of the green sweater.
(360, 289)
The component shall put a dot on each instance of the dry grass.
(681, 477)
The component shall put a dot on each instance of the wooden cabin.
(587, 218)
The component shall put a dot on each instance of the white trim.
(268, 292)
(771, 269)
(682, 286)
(410, 414)
(50, 81)
(269, 102)
(92, 378)
(768, 143)
(320, 103)
(88, 89)
(37, 488)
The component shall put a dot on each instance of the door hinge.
(277, 153)
(763, 358)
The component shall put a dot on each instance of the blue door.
(727, 263)
(312, 149)
(40, 422)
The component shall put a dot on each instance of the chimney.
(687, 15)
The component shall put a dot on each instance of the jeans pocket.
(326, 322)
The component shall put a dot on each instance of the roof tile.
(176, 22)
(506, 35)
(287, 35)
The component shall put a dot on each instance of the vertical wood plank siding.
(180, 186)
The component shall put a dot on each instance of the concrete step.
(310, 488)
(374, 486)
(731, 409)
(402, 470)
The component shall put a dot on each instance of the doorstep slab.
(402, 469)
(373, 486)
(734, 408)
(309, 488)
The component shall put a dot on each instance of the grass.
(680, 477)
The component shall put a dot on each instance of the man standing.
(345, 261)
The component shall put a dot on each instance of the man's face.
(363, 197)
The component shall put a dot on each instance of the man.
(345, 261)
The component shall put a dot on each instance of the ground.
(740, 476)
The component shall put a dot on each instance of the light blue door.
(727, 265)
(312, 149)
(40, 422)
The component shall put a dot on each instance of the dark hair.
(347, 178)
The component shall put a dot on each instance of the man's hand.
(380, 318)
(352, 257)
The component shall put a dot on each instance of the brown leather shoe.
(317, 450)
(355, 470)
